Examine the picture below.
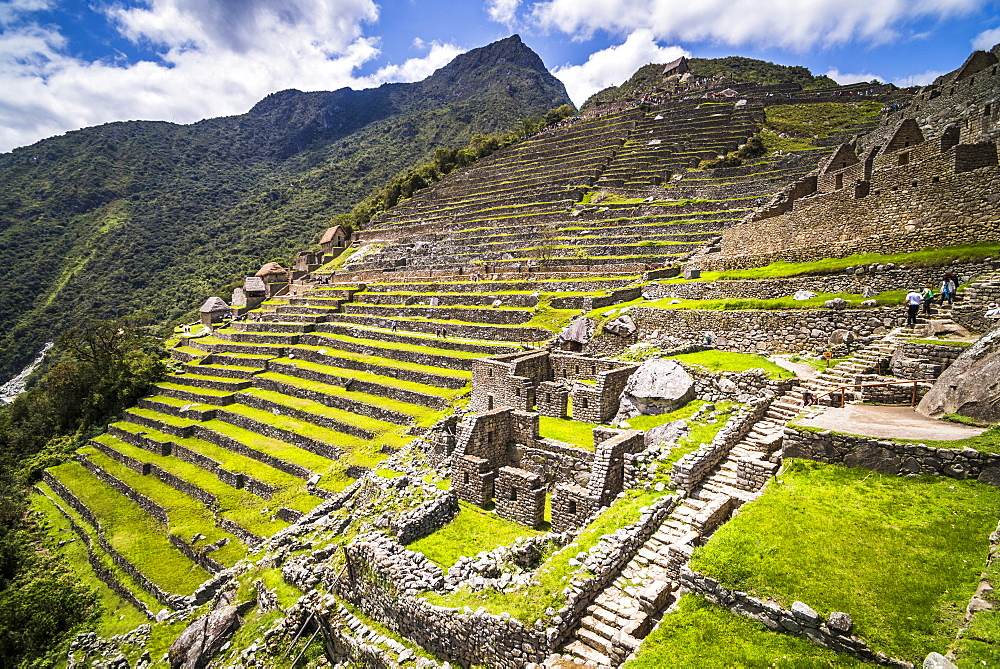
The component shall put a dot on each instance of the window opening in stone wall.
(577, 369)
(583, 402)
(465, 478)
(489, 437)
(513, 494)
(913, 184)
(489, 402)
(548, 397)
(839, 181)
(489, 372)
(934, 180)
(904, 158)
(517, 392)
(572, 507)
(986, 110)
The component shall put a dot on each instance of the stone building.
(501, 459)
(676, 68)
(213, 310)
(334, 241)
(548, 380)
(886, 201)
(274, 276)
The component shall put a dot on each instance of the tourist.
(912, 302)
(808, 399)
(437, 332)
(927, 295)
(394, 326)
(444, 333)
(949, 285)
(708, 338)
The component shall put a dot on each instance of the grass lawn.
(575, 432)
(704, 635)
(722, 361)
(901, 556)
(132, 532)
(117, 615)
(470, 532)
(529, 604)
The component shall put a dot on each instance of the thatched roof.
(214, 304)
(331, 233)
(254, 284)
(271, 268)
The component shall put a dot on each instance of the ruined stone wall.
(520, 496)
(908, 205)
(889, 457)
(608, 474)
(600, 403)
(765, 331)
(923, 361)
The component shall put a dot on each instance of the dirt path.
(888, 421)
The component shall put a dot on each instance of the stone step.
(581, 650)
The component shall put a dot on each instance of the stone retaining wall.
(765, 331)
(150, 469)
(425, 519)
(305, 416)
(350, 383)
(692, 468)
(147, 505)
(801, 620)
(889, 457)
(101, 571)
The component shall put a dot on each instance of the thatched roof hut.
(214, 304)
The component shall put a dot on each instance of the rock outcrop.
(658, 386)
(971, 386)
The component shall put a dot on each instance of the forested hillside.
(140, 215)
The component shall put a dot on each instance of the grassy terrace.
(722, 361)
(118, 616)
(321, 410)
(902, 556)
(528, 604)
(375, 361)
(892, 298)
(574, 432)
(387, 381)
(247, 510)
(228, 459)
(398, 346)
(361, 452)
(187, 515)
(702, 634)
(929, 257)
(132, 532)
(470, 532)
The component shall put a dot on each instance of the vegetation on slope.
(902, 556)
(105, 367)
(648, 78)
(133, 216)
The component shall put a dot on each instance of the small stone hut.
(676, 68)
(213, 311)
(334, 240)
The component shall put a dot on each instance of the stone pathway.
(888, 421)
(613, 626)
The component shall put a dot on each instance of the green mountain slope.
(650, 77)
(146, 215)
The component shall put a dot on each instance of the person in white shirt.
(912, 302)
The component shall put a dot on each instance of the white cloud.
(844, 78)
(986, 39)
(414, 69)
(921, 79)
(614, 65)
(216, 58)
(502, 11)
(789, 24)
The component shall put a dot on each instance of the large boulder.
(578, 331)
(658, 386)
(203, 638)
(971, 386)
(622, 326)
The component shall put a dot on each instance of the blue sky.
(70, 64)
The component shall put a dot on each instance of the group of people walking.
(925, 297)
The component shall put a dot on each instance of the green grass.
(378, 379)
(928, 257)
(471, 531)
(187, 515)
(703, 635)
(902, 556)
(529, 604)
(723, 361)
(132, 532)
(117, 615)
(376, 361)
(820, 119)
(980, 645)
(945, 342)
(567, 430)
(888, 298)
(649, 421)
